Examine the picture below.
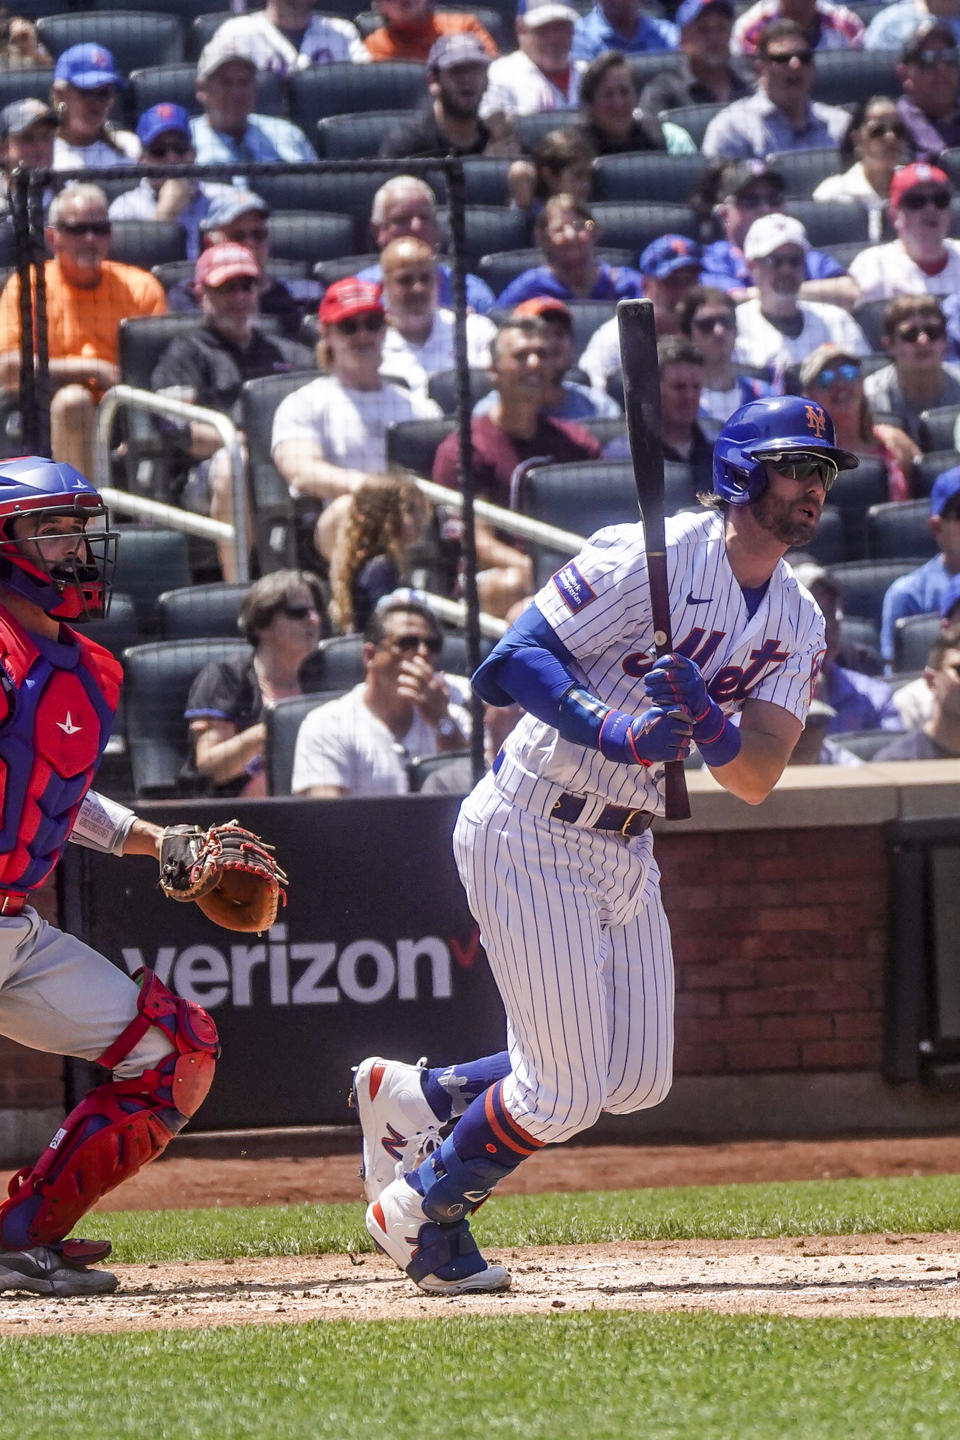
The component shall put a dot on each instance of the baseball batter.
(58, 694)
(554, 847)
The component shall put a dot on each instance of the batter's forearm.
(755, 770)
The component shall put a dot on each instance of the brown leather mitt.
(228, 871)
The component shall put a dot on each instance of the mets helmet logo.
(816, 420)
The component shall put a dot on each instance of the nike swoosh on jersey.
(693, 600)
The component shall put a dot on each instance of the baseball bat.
(641, 401)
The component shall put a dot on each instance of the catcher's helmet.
(775, 425)
(74, 588)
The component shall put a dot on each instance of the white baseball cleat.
(399, 1127)
(441, 1259)
(45, 1270)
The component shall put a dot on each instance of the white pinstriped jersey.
(599, 606)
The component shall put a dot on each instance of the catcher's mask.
(74, 587)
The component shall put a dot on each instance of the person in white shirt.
(419, 336)
(922, 260)
(777, 329)
(403, 710)
(330, 435)
(878, 138)
(707, 316)
(540, 75)
(85, 84)
(287, 35)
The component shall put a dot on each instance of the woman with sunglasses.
(386, 516)
(708, 316)
(85, 84)
(919, 378)
(834, 379)
(283, 616)
(878, 144)
(330, 435)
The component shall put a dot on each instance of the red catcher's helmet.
(74, 589)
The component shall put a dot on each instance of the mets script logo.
(816, 420)
(731, 682)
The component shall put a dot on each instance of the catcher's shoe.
(399, 1127)
(57, 1269)
(441, 1259)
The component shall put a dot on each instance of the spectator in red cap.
(567, 234)
(922, 260)
(329, 436)
(208, 367)
(563, 399)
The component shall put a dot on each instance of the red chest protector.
(61, 697)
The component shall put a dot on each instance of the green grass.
(597, 1376)
(822, 1207)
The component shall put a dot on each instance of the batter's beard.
(775, 516)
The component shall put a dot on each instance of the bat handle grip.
(675, 798)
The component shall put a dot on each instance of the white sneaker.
(441, 1259)
(399, 1127)
(45, 1270)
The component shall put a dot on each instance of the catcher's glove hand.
(228, 871)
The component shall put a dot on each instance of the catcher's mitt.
(228, 871)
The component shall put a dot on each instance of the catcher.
(58, 694)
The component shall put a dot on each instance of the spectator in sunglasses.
(329, 436)
(877, 144)
(825, 24)
(926, 589)
(385, 519)
(403, 710)
(939, 736)
(929, 73)
(919, 378)
(708, 317)
(164, 135)
(283, 616)
(922, 260)
(85, 85)
(834, 378)
(781, 114)
(87, 297)
(209, 365)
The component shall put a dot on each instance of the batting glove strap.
(717, 740)
(617, 740)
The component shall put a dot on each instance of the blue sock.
(486, 1144)
(450, 1090)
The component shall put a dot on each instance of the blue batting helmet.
(774, 425)
(73, 588)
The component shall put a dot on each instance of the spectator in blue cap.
(164, 135)
(85, 84)
(705, 76)
(670, 266)
(923, 590)
(238, 217)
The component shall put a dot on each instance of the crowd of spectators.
(841, 282)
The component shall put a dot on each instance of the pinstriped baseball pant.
(579, 945)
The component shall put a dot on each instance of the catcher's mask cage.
(777, 425)
(74, 587)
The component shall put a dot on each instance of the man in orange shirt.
(87, 297)
(410, 28)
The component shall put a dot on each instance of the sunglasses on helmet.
(799, 465)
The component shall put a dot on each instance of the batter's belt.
(544, 798)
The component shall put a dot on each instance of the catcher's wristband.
(102, 824)
(718, 740)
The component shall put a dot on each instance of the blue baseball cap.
(161, 118)
(690, 9)
(668, 254)
(945, 487)
(224, 209)
(87, 67)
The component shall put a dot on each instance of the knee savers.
(118, 1127)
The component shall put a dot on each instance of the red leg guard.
(119, 1126)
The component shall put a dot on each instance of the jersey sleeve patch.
(574, 591)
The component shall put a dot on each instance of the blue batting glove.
(646, 739)
(675, 680)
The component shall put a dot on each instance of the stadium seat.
(803, 170)
(283, 725)
(23, 84)
(912, 637)
(490, 229)
(329, 270)
(157, 680)
(832, 222)
(134, 37)
(869, 316)
(900, 531)
(442, 387)
(202, 29)
(927, 467)
(693, 118)
(173, 271)
(301, 235)
(937, 428)
(147, 242)
(419, 771)
(863, 584)
(633, 226)
(275, 513)
(177, 83)
(530, 129)
(651, 173)
(201, 610)
(859, 633)
(336, 664)
(581, 496)
(356, 137)
(852, 493)
(648, 64)
(342, 88)
(342, 192)
(864, 743)
(119, 627)
(485, 180)
(413, 444)
(949, 160)
(846, 76)
(828, 544)
(149, 561)
(501, 267)
(143, 339)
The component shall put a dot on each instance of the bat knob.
(660, 637)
